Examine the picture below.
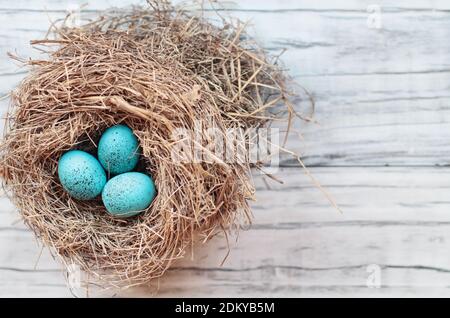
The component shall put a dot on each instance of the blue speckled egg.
(118, 149)
(128, 194)
(81, 175)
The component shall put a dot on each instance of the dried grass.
(155, 70)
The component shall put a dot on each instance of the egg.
(128, 194)
(118, 149)
(81, 175)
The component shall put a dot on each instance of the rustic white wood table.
(380, 74)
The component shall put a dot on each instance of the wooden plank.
(266, 5)
(299, 245)
(268, 281)
(342, 40)
(32, 283)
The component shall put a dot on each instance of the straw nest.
(155, 70)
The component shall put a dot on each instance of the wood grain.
(380, 147)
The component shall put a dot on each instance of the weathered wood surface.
(380, 147)
(298, 246)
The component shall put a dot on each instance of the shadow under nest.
(155, 71)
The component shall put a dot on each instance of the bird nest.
(159, 71)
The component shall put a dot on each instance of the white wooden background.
(381, 147)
